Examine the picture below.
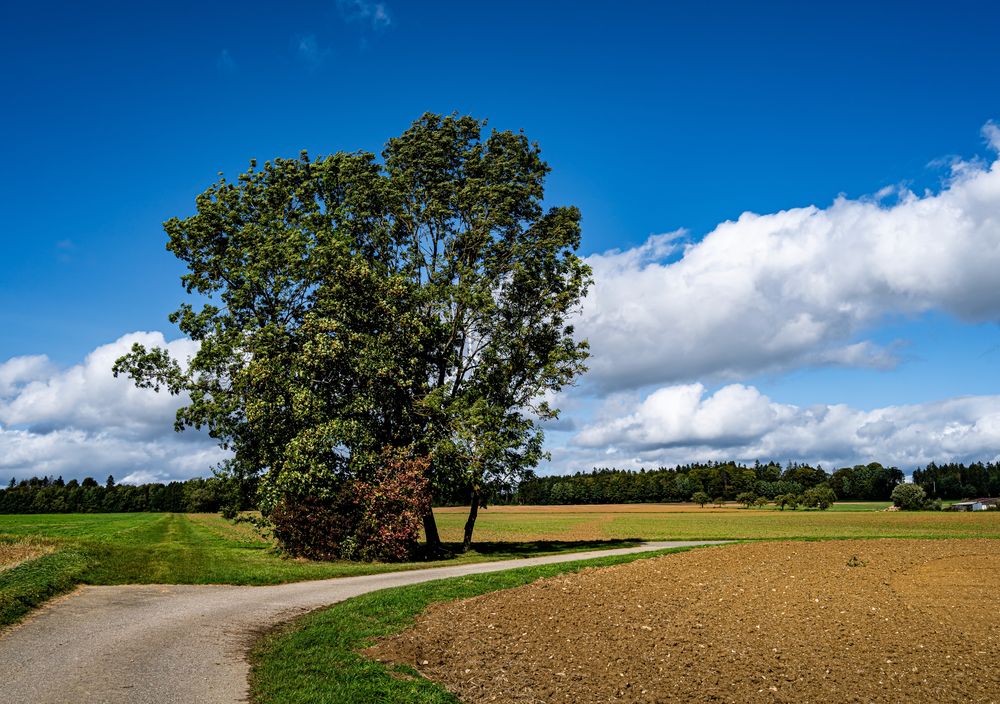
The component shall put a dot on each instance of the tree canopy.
(348, 307)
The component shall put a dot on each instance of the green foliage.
(821, 497)
(700, 498)
(746, 498)
(45, 495)
(909, 497)
(959, 481)
(871, 482)
(760, 502)
(420, 304)
(614, 486)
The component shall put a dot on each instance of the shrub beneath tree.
(389, 509)
(374, 518)
(310, 527)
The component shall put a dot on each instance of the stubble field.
(689, 522)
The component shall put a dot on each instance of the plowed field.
(836, 621)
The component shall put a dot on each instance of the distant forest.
(44, 495)
(725, 480)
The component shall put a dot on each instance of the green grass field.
(168, 548)
(150, 548)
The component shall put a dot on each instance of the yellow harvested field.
(689, 522)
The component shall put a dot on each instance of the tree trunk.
(471, 523)
(431, 533)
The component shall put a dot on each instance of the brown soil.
(910, 621)
(13, 554)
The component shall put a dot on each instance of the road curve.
(183, 644)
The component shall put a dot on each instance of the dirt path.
(163, 644)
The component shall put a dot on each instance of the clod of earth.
(786, 622)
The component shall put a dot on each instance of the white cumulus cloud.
(81, 421)
(684, 423)
(795, 288)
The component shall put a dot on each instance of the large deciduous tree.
(499, 279)
(350, 309)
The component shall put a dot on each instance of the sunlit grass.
(165, 548)
(168, 548)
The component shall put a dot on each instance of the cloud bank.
(683, 423)
(81, 421)
(795, 288)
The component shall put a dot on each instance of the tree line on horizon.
(53, 495)
(728, 480)
(725, 480)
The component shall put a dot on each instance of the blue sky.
(655, 117)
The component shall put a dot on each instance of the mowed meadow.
(196, 548)
(45, 554)
(42, 555)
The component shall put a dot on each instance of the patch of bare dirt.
(14, 553)
(837, 621)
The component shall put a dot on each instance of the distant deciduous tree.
(821, 497)
(909, 497)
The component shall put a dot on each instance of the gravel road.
(166, 644)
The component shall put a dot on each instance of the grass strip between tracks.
(315, 659)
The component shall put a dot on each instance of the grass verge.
(29, 584)
(315, 659)
(173, 548)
